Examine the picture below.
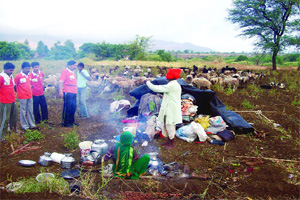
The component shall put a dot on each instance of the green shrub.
(33, 135)
(272, 92)
(71, 139)
(246, 104)
(57, 184)
(217, 88)
(117, 96)
(228, 91)
(254, 89)
(296, 102)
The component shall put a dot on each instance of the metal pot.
(45, 159)
(153, 155)
(68, 161)
(100, 146)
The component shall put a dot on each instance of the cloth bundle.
(191, 131)
(217, 124)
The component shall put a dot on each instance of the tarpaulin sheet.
(206, 100)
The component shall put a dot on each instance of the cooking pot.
(45, 159)
(100, 146)
(68, 161)
(153, 155)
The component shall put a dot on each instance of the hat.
(173, 73)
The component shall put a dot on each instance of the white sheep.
(230, 82)
(201, 83)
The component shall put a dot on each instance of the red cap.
(173, 73)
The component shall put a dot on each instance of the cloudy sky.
(200, 22)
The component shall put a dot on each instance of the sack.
(226, 135)
(149, 103)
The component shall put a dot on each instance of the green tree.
(26, 42)
(8, 51)
(241, 58)
(63, 52)
(274, 23)
(70, 45)
(186, 51)
(138, 47)
(42, 50)
(24, 51)
(164, 56)
(258, 58)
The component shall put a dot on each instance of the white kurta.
(171, 102)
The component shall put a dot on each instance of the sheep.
(204, 75)
(139, 80)
(231, 82)
(127, 68)
(243, 81)
(113, 69)
(126, 84)
(110, 86)
(51, 91)
(137, 71)
(228, 69)
(52, 80)
(216, 80)
(95, 76)
(94, 85)
(201, 83)
(189, 79)
(162, 70)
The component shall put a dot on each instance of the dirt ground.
(232, 173)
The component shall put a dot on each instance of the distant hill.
(50, 40)
(168, 45)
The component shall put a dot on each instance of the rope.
(259, 113)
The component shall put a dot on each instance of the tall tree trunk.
(274, 60)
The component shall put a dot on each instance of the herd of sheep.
(128, 77)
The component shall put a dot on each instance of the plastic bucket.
(85, 147)
(131, 129)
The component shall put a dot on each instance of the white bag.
(199, 131)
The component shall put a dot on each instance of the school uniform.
(8, 109)
(70, 94)
(39, 100)
(24, 95)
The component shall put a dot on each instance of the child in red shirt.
(24, 94)
(39, 100)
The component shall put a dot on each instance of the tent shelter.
(206, 100)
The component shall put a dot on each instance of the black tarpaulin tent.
(206, 100)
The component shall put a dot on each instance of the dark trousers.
(40, 101)
(69, 109)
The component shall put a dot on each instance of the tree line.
(134, 50)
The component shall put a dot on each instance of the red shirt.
(37, 83)
(23, 84)
(69, 81)
(7, 92)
